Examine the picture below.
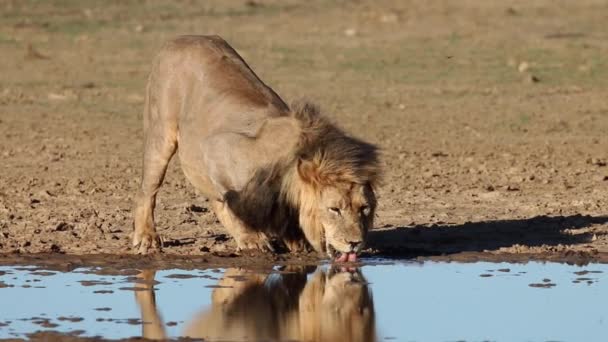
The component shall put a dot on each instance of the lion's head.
(341, 215)
(333, 186)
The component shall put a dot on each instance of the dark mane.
(339, 156)
(276, 194)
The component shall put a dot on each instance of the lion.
(274, 174)
(331, 305)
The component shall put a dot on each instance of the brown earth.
(492, 116)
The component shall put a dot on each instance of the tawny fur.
(269, 171)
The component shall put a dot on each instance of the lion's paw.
(297, 246)
(255, 241)
(147, 243)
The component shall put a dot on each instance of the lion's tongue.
(352, 257)
(347, 257)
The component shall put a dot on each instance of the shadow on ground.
(483, 236)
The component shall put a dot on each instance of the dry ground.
(492, 116)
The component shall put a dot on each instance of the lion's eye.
(335, 210)
(365, 210)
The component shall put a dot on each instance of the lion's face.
(345, 214)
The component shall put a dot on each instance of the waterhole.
(381, 300)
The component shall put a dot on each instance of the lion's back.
(220, 68)
(218, 90)
(202, 47)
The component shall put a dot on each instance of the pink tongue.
(352, 257)
(342, 258)
(347, 257)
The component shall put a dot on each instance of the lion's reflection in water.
(300, 304)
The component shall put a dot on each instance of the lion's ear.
(308, 171)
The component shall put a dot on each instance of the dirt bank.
(492, 117)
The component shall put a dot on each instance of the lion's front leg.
(246, 237)
(160, 144)
(145, 239)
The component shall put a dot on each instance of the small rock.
(88, 85)
(532, 79)
(512, 188)
(196, 209)
(62, 227)
(523, 66)
(32, 53)
(350, 32)
(596, 162)
(439, 154)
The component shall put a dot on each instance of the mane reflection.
(296, 303)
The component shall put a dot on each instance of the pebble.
(350, 32)
(532, 79)
(523, 67)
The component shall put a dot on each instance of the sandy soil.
(492, 117)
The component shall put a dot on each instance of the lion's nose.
(354, 245)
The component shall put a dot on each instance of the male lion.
(269, 171)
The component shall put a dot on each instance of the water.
(406, 301)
